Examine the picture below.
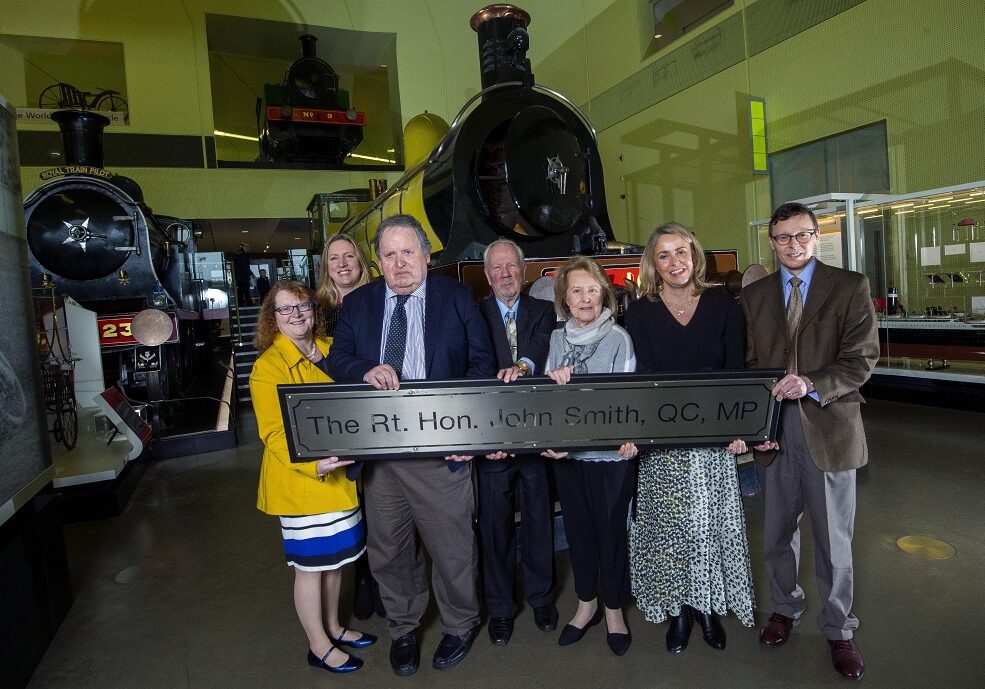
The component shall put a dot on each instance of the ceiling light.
(297, 238)
(245, 231)
(904, 205)
(373, 158)
(216, 132)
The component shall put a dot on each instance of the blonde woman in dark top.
(343, 269)
(689, 557)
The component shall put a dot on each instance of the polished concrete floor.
(188, 588)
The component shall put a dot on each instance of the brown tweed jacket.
(838, 348)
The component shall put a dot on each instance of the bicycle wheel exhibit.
(57, 367)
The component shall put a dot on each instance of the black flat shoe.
(500, 630)
(362, 642)
(351, 665)
(572, 634)
(619, 643)
(711, 629)
(679, 630)
(405, 655)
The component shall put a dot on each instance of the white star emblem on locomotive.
(557, 173)
(78, 233)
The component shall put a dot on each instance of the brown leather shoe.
(846, 658)
(776, 631)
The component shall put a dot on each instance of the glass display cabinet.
(925, 258)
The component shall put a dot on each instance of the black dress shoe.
(405, 656)
(619, 643)
(711, 629)
(351, 665)
(679, 630)
(572, 634)
(545, 617)
(500, 630)
(362, 642)
(453, 649)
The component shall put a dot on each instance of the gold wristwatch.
(523, 366)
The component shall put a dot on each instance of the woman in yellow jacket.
(319, 512)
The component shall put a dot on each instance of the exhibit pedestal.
(37, 591)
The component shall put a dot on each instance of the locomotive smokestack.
(308, 45)
(503, 43)
(82, 136)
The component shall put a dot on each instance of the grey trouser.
(791, 484)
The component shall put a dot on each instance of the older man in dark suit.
(521, 328)
(819, 323)
(411, 326)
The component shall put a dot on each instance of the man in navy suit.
(521, 328)
(412, 326)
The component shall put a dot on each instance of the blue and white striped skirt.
(323, 541)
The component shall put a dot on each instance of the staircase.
(244, 353)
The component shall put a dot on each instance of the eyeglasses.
(784, 239)
(303, 307)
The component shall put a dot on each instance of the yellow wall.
(916, 64)
(167, 76)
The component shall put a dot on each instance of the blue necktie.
(396, 336)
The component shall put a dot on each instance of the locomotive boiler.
(523, 163)
(91, 237)
(519, 161)
(308, 117)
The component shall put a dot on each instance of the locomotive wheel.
(51, 97)
(111, 101)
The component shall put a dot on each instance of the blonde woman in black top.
(689, 557)
(343, 269)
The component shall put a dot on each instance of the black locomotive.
(522, 164)
(91, 237)
(308, 118)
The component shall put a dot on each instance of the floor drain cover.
(926, 547)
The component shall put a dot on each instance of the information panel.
(438, 418)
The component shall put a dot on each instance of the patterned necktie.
(511, 332)
(795, 307)
(396, 336)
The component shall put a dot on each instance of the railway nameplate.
(438, 418)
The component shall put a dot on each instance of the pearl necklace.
(310, 356)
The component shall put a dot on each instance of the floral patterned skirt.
(687, 541)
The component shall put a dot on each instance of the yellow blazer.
(286, 487)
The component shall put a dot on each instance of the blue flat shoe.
(350, 665)
(362, 642)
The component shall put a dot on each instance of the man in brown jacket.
(819, 323)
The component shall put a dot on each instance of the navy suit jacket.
(456, 338)
(535, 321)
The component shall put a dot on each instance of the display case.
(924, 255)
(926, 263)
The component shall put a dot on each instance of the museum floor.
(187, 588)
